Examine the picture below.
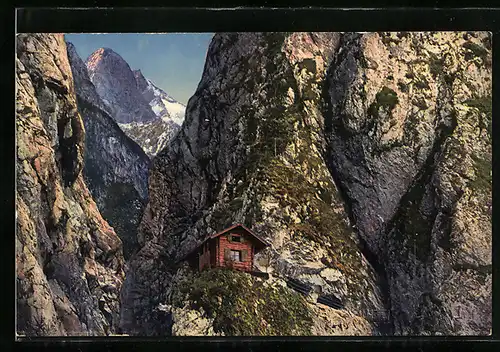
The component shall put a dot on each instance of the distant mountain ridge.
(143, 111)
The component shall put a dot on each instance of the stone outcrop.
(151, 136)
(115, 167)
(333, 322)
(364, 159)
(163, 105)
(69, 261)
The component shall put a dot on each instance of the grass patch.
(387, 97)
(319, 223)
(242, 305)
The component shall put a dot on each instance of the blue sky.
(173, 61)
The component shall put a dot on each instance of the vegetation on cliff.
(242, 305)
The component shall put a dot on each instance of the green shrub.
(243, 305)
(436, 65)
(387, 97)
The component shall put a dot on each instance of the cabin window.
(235, 256)
(235, 238)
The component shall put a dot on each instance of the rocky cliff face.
(144, 112)
(69, 260)
(115, 167)
(365, 159)
(409, 141)
(115, 83)
(251, 151)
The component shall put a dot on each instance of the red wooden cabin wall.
(224, 244)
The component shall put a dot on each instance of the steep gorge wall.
(115, 167)
(408, 123)
(336, 148)
(69, 261)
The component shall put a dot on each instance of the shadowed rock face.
(115, 168)
(69, 260)
(340, 150)
(408, 124)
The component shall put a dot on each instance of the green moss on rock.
(482, 183)
(319, 223)
(386, 99)
(242, 305)
(484, 105)
(436, 65)
(475, 50)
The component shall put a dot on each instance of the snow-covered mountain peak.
(143, 111)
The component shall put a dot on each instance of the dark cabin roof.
(247, 230)
(262, 243)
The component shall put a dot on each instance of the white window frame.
(235, 255)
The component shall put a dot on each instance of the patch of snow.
(157, 109)
(176, 110)
(164, 106)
